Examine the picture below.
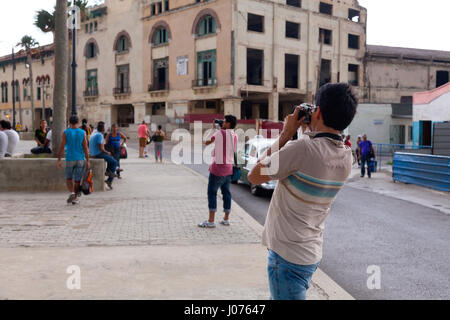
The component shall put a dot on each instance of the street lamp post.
(74, 25)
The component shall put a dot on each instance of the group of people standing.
(145, 138)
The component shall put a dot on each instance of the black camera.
(306, 111)
(219, 122)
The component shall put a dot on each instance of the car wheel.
(255, 190)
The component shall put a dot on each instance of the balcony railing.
(158, 87)
(121, 91)
(91, 92)
(204, 82)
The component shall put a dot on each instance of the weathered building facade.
(42, 66)
(176, 61)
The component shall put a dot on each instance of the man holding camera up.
(221, 169)
(310, 172)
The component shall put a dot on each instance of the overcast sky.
(399, 23)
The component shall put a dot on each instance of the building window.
(160, 74)
(292, 30)
(39, 93)
(86, 28)
(206, 26)
(4, 92)
(294, 3)
(442, 77)
(153, 9)
(291, 71)
(325, 72)
(326, 35)
(353, 41)
(353, 74)
(255, 65)
(95, 26)
(166, 5)
(91, 27)
(91, 50)
(159, 7)
(353, 15)
(206, 68)
(123, 44)
(160, 36)
(91, 83)
(255, 23)
(410, 135)
(326, 8)
(123, 79)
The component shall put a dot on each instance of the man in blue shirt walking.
(77, 157)
(366, 153)
(97, 150)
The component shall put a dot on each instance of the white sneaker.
(207, 224)
(76, 201)
(225, 223)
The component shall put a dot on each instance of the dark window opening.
(255, 63)
(39, 93)
(255, 23)
(166, 5)
(291, 70)
(353, 74)
(441, 78)
(122, 45)
(160, 74)
(159, 7)
(325, 35)
(325, 72)
(292, 30)
(153, 9)
(353, 15)
(326, 8)
(123, 79)
(294, 3)
(406, 100)
(91, 50)
(353, 41)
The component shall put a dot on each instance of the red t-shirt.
(223, 156)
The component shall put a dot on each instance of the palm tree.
(45, 21)
(28, 43)
(60, 36)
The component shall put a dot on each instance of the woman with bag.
(158, 138)
(113, 142)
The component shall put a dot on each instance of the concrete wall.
(373, 120)
(42, 175)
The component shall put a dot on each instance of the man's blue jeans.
(288, 281)
(214, 183)
(364, 159)
(111, 162)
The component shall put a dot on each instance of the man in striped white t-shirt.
(310, 173)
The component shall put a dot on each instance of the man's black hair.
(73, 120)
(159, 127)
(84, 121)
(5, 124)
(337, 104)
(101, 126)
(231, 120)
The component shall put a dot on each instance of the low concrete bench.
(42, 174)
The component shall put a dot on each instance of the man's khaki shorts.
(142, 142)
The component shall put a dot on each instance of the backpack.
(87, 184)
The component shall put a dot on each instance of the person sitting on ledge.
(39, 136)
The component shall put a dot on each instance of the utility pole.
(13, 89)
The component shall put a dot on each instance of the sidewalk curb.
(321, 281)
